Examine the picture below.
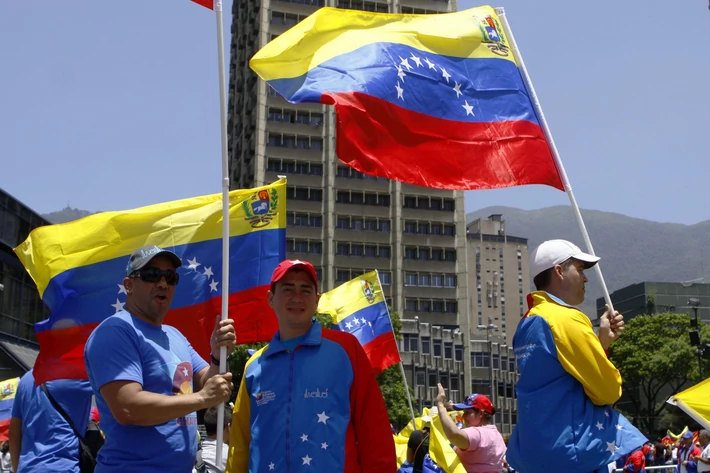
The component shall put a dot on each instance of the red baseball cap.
(477, 401)
(289, 264)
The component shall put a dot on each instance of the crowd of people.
(309, 400)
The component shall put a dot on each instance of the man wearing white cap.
(567, 384)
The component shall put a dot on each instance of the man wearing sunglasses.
(147, 379)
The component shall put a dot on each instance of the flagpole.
(401, 366)
(553, 149)
(225, 210)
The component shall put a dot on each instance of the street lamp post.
(488, 329)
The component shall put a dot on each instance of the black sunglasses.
(154, 275)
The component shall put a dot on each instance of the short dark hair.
(542, 280)
(211, 419)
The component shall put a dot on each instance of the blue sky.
(114, 105)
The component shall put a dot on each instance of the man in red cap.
(309, 399)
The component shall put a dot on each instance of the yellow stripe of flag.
(53, 249)
(330, 32)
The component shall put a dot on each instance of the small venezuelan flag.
(8, 388)
(79, 269)
(432, 100)
(359, 307)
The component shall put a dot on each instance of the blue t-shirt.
(48, 442)
(162, 361)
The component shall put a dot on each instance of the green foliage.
(656, 360)
(238, 360)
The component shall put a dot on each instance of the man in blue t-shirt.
(147, 379)
(40, 439)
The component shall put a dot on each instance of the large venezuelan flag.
(359, 307)
(432, 100)
(8, 388)
(79, 269)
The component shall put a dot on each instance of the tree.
(656, 360)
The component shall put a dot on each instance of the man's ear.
(269, 298)
(128, 284)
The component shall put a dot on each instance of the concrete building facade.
(658, 297)
(20, 304)
(432, 354)
(499, 278)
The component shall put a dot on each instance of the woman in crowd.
(479, 445)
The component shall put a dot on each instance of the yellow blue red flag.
(359, 307)
(8, 388)
(432, 100)
(79, 269)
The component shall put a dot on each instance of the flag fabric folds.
(358, 307)
(431, 100)
(205, 3)
(694, 401)
(79, 269)
(8, 388)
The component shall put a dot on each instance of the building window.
(410, 342)
(342, 275)
(410, 252)
(426, 345)
(437, 348)
(437, 280)
(410, 227)
(450, 281)
(433, 379)
(410, 279)
(423, 280)
(480, 359)
(342, 249)
(410, 305)
(448, 351)
(458, 353)
(454, 383)
(421, 378)
(496, 362)
(385, 278)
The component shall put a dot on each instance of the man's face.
(151, 299)
(573, 281)
(294, 300)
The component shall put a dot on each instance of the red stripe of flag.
(205, 3)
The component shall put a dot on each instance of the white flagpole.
(401, 365)
(553, 149)
(225, 211)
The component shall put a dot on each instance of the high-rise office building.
(20, 304)
(343, 221)
(499, 278)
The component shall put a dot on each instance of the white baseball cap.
(554, 252)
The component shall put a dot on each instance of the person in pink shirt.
(479, 445)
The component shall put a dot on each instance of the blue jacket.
(316, 408)
(566, 386)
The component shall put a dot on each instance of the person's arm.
(223, 335)
(131, 405)
(15, 441)
(581, 354)
(455, 435)
(240, 433)
(375, 443)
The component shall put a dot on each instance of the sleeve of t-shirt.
(21, 396)
(113, 354)
(198, 363)
(474, 438)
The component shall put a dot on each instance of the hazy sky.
(114, 105)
